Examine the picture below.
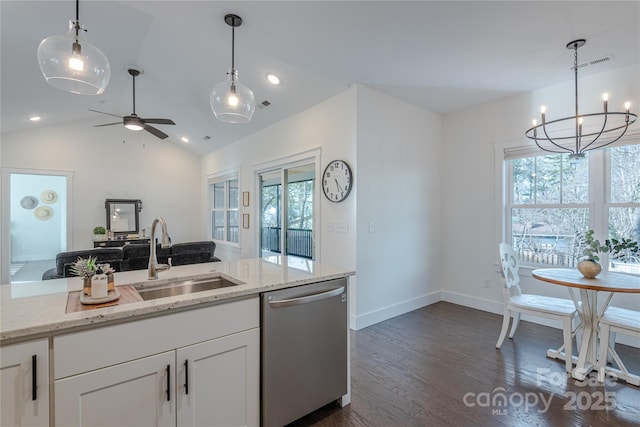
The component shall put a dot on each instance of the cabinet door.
(219, 381)
(24, 381)
(137, 393)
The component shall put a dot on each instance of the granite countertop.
(29, 310)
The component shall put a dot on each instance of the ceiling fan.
(132, 121)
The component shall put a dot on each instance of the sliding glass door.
(287, 211)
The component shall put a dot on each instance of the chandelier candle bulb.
(580, 120)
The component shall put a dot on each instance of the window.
(224, 200)
(551, 198)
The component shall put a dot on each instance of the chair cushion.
(551, 305)
(622, 318)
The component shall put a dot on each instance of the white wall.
(472, 203)
(400, 190)
(165, 177)
(395, 150)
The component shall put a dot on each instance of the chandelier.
(583, 132)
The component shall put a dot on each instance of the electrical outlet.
(486, 283)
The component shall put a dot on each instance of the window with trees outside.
(551, 198)
(224, 200)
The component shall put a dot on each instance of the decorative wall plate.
(29, 202)
(43, 213)
(49, 197)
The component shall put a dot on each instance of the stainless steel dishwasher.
(304, 350)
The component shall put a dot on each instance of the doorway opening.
(35, 223)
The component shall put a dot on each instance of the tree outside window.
(552, 198)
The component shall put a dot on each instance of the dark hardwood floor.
(438, 366)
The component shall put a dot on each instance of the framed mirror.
(122, 215)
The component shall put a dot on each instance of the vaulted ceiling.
(440, 55)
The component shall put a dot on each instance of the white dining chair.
(617, 320)
(517, 303)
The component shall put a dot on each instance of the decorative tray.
(111, 296)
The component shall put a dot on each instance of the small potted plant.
(623, 250)
(99, 232)
(85, 268)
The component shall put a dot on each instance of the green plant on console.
(99, 230)
(622, 250)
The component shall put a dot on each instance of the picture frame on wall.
(245, 220)
(245, 198)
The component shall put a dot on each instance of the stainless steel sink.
(154, 291)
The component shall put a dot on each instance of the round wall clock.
(337, 180)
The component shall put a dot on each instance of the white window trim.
(305, 157)
(217, 177)
(510, 149)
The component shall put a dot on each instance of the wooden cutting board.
(128, 294)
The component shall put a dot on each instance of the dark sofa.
(135, 257)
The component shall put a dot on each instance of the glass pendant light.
(69, 62)
(231, 101)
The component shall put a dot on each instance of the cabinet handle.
(186, 376)
(168, 383)
(34, 376)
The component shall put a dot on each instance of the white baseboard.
(473, 302)
(390, 311)
(367, 319)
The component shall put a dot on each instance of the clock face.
(337, 181)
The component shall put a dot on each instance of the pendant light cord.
(575, 72)
(77, 25)
(233, 53)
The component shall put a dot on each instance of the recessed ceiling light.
(35, 118)
(273, 79)
(184, 139)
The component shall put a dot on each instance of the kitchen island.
(164, 355)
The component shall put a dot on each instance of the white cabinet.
(219, 381)
(198, 367)
(128, 394)
(24, 378)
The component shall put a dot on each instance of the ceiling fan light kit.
(69, 62)
(575, 135)
(232, 101)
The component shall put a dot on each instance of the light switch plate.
(342, 227)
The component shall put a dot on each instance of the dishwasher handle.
(307, 298)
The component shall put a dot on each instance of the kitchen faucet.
(154, 267)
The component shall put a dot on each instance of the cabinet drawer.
(91, 349)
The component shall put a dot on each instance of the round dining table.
(587, 306)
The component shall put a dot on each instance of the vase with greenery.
(624, 250)
(99, 232)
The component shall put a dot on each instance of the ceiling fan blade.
(159, 121)
(102, 112)
(107, 124)
(155, 132)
